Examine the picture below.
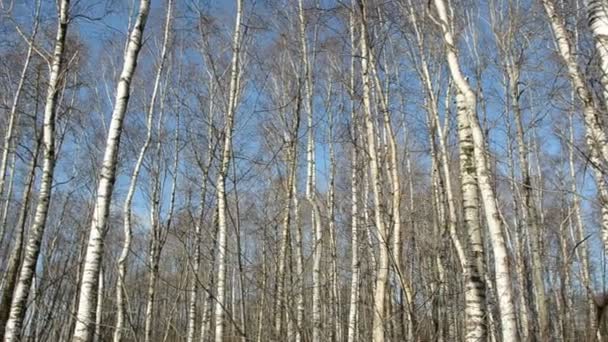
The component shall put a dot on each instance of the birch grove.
(307, 170)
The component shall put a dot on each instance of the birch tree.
(13, 119)
(595, 134)
(127, 208)
(598, 23)
(375, 171)
(84, 328)
(220, 304)
(468, 105)
(14, 324)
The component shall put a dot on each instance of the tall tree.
(467, 106)
(226, 156)
(14, 324)
(84, 328)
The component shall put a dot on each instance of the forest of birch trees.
(303, 170)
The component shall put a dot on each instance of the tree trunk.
(354, 184)
(595, 135)
(32, 249)
(221, 179)
(84, 329)
(123, 258)
(10, 277)
(468, 104)
(382, 272)
(530, 210)
(12, 122)
(598, 23)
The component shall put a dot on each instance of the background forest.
(303, 170)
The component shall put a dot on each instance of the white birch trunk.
(310, 180)
(474, 265)
(581, 251)
(280, 300)
(598, 23)
(355, 264)
(379, 318)
(12, 269)
(12, 122)
(531, 213)
(83, 331)
(299, 267)
(32, 249)
(209, 298)
(221, 181)
(123, 258)
(98, 310)
(198, 231)
(501, 262)
(595, 134)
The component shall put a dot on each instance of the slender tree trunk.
(154, 250)
(581, 251)
(598, 23)
(32, 249)
(530, 210)
(299, 267)
(123, 258)
(331, 203)
(260, 324)
(210, 298)
(317, 323)
(14, 260)
(13, 118)
(379, 308)
(8, 199)
(221, 181)
(281, 298)
(198, 231)
(521, 241)
(355, 263)
(98, 310)
(83, 331)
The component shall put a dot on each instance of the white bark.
(198, 231)
(155, 241)
(531, 213)
(122, 260)
(501, 262)
(221, 179)
(32, 250)
(595, 135)
(472, 266)
(12, 122)
(209, 298)
(281, 299)
(98, 311)
(582, 251)
(311, 178)
(355, 264)
(83, 331)
(383, 267)
(12, 269)
(331, 203)
(299, 267)
(598, 22)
